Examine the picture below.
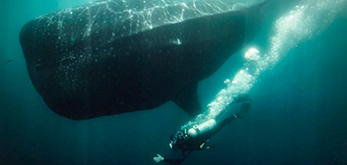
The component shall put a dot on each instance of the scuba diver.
(197, 137)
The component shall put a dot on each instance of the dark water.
(298, 115)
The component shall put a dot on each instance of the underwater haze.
(298, 114)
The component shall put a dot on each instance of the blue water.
(298, 113)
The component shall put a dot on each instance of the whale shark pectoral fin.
(187, 99)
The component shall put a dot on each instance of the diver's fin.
(211, 146)
(245, 106)
(242, 98)
(187, 99)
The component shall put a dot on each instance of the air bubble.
(227, 81)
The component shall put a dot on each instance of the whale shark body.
(112, 57)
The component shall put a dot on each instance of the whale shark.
(117, 56)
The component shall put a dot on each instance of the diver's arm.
(174, 161)
(160, 158)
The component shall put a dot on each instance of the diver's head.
(179, 140)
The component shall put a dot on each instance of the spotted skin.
(112, 57)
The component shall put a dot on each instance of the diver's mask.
(179, 140)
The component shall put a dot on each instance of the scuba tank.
(202, 128)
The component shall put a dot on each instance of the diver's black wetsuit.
(185, 154)
(199, 143)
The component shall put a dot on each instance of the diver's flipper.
(211, 146)
(242, 98)
(245, 106)
(187, 99)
